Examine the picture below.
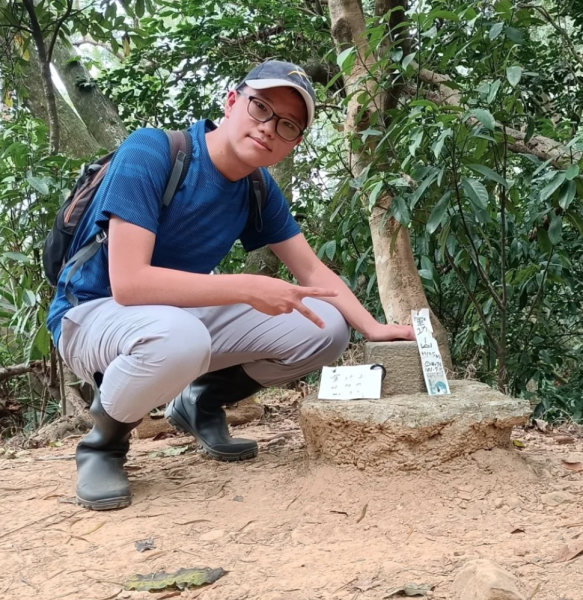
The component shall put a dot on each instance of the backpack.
(58, 242)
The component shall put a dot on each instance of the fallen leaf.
(564, 439)
(98, 526)
(182, 579)
(517, 530)
(363, 513)
(174, 451)
(147, 544)
(410, 589)
(518, 444)
(570, 552)
(366, 584)
(576, 467)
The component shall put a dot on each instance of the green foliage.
(497, 235)
(32, 184)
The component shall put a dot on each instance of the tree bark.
(75, 139)
(400, 287)
(98, 113)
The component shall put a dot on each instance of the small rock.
(513, 502)
(498, 503)
(574, 457)
(210, 536)
(483, 579)
(520, 552)
(556, 498)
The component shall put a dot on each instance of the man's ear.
(229, 102)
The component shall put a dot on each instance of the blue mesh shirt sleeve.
(133, 187)
(278, 223)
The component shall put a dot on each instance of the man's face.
(258, 144)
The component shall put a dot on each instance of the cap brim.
(265, 84)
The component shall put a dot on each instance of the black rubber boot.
(102, 483)
(198, 411)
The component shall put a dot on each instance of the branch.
(58, 26)
(547, 17)
(14, 370)
(99, 45)
(542, 147)
(463, 280)
(45, 72)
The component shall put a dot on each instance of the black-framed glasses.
(262, 112)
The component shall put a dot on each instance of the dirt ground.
(286, 529)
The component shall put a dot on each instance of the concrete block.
(410, 431)
(403, 365)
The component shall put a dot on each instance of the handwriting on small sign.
(350, 383)
(433, 371)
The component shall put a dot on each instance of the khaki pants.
(149, 354)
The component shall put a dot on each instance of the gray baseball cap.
(277, 73)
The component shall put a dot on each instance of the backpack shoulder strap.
(257, 196)
(180, 155)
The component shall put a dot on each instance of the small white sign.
(433, 371)
(350, 383)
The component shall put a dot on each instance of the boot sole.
(106, 504)
(230, 457)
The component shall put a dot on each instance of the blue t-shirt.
(194, 233)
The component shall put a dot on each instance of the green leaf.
(438, 145)
(375, 193)
(18, 257)
(344, 56)
(514, 35)
(552, 186)
(567, 194)
(576, 221)
(476, 192)
(494, 87)
(38, 184)
(331, 249)
(513, 74)
(555, 229)
(28, 297)
(415, 142)
(529, 129)
(437, 213)
(443, 14)
(400, 210)
(140, 8)
(490, 174)
(408, 60)
(485, 117)
(572, 172)
(496, 30)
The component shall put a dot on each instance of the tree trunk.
(75, 139)
(97, 112)
(400, 287)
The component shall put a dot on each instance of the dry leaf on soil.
(570, 552)
(410, 589)
(576, 467)
(147, 544)
(182, 579)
